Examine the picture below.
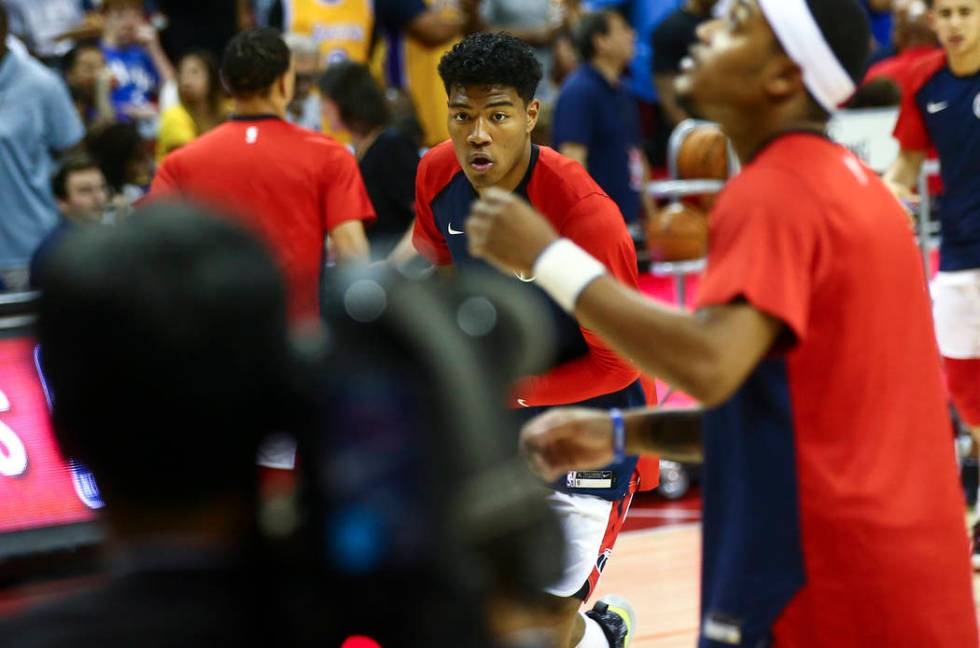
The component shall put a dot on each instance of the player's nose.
(480, 134)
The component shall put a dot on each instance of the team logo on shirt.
(523, 277)
(976, 105)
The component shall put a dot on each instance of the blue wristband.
(619, 435)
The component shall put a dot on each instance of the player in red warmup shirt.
(291, 185)
(942, 111)
(490, 80)
(832, 510)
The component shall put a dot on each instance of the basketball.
(703, 155)
(678, 232)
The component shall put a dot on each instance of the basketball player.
(490, 80)
(292, 185)
(943, 110)
(811, 351)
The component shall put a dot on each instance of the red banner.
(37, 486)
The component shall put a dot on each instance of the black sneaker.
(615, 616)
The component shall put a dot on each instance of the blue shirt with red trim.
(586, 372)
(944, 110)
(833, 514)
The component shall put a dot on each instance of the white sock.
(594, 637)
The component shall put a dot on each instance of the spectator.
(201, 106)
(415, 45)
(90, 83)
(179, 506)
(671, 41)
(305, 109)
(125, 158)
(880, 14)
(291, 185)
(132, 51)
(913, 40)
(596, 120)
(82, 195)
(39, 23)
(536, 22)
(36, 118)
(644, 18)
(388, 158)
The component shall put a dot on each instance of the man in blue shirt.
(36, 117)
(596, 120)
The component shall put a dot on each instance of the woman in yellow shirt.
(201, 107)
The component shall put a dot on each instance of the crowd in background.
(95, 93)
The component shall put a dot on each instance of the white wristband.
(564, 270)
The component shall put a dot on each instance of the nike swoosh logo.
(933, 108)
(452, 231)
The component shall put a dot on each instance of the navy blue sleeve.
(573, 120)
(396, 14)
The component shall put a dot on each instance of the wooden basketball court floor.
(657, 570)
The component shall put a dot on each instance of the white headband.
(802, 39)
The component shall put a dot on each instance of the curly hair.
(492, 58)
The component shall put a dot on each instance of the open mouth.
(480, 162)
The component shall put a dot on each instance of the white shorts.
(591, 526)
(956, 309)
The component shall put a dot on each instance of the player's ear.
(533, 111)
(781, 78)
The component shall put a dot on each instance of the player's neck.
(748, 138)
(513, 179)
(966, 63)
(257, 106)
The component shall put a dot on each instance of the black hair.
(361, 100)
(69, 59)
(115, 148)
(73, 164)
(164, 342)
(588, 27)
(215, 94)
(877, 93)
(252, 62)
(492, 58)
(4, 27)
(846, 28)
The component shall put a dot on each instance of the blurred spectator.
(291, 185)
(82, 195)
(388, 158)
(169, 419)
(201, 106)
(39, 23)
(415, 43)
(132, 50)
(880, 14)
(644, 16)
(90, 83)
(596, 120)
(536, 22)
(201, 24)
(36, 118)
(125, 158)
(305, 109)
(913, 40)
(671, 41)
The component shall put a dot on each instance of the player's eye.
(460, 117)
(498, 117)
